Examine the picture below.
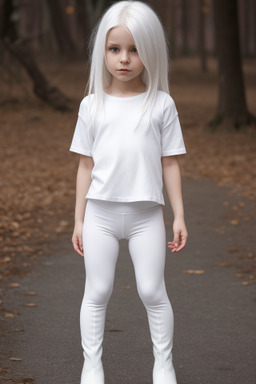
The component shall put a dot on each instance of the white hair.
(149, 37)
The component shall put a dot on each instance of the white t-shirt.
(127, 156)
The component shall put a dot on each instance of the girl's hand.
(180, 235)
(77, 239)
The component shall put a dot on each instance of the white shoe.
(164, 375)
(160, 318)
(93, 376)
(92, 321)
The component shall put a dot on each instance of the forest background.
(44, 67)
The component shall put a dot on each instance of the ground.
(38, 187)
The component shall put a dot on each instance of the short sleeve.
(82, 141)
(172, 138)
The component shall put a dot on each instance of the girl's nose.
(124, 57)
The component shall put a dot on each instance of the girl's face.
(122, 59)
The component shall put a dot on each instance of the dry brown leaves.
(194, 271)
(37, 178)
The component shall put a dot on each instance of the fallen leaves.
(38, 183)
(249, 282)
(31, 293)
(5, 260)
(4, 370)
(14, 285)
(224, 265)
(235, 222)
(114, 330)
(194, 271)
(233, 250)
(62, 225)
(15, 359)
(125, 287)
(31, 305)
(239, 275)
(248, 274)
(9, 315)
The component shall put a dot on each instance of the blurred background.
(44, 67)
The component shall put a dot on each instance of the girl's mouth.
(123, 70)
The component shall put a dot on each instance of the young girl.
(127, 135)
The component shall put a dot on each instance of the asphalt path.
(215, 322)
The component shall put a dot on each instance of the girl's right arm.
(83, 182)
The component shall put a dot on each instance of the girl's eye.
(134, 50)
(114, 49)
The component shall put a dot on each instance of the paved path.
(215, 322)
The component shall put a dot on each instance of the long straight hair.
(149, 37)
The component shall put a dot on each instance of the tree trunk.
(203, 9)
(169, 17)
(68, 27)
(42, 88)
(30, 24)
(173, 22)
(10, 39)
(232, 108)
(246, 22)
(94, 10)
(83, 24)
(184, 24)
(253, 5)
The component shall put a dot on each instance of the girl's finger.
(182, 244)
(77, 247)
(176, 239)
(180, 247)
(80, 246)
(177, 247)
(80, 241)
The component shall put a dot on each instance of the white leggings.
(142, 224)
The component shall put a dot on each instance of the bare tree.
(203, 10)
(30, 23)
(246, 27)
(11, 41)
(169, 18)
(185, 27)
(70, 26)
(253, 5)
(232, 108)
(94, 10)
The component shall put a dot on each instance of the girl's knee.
(151, 295)
(98, 294)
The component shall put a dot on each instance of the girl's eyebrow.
(112, 43)
(116, 44)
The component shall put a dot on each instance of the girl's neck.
(125, 89)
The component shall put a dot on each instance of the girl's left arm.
(172, 182)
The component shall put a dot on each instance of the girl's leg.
(100, 255)
(147, 245)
